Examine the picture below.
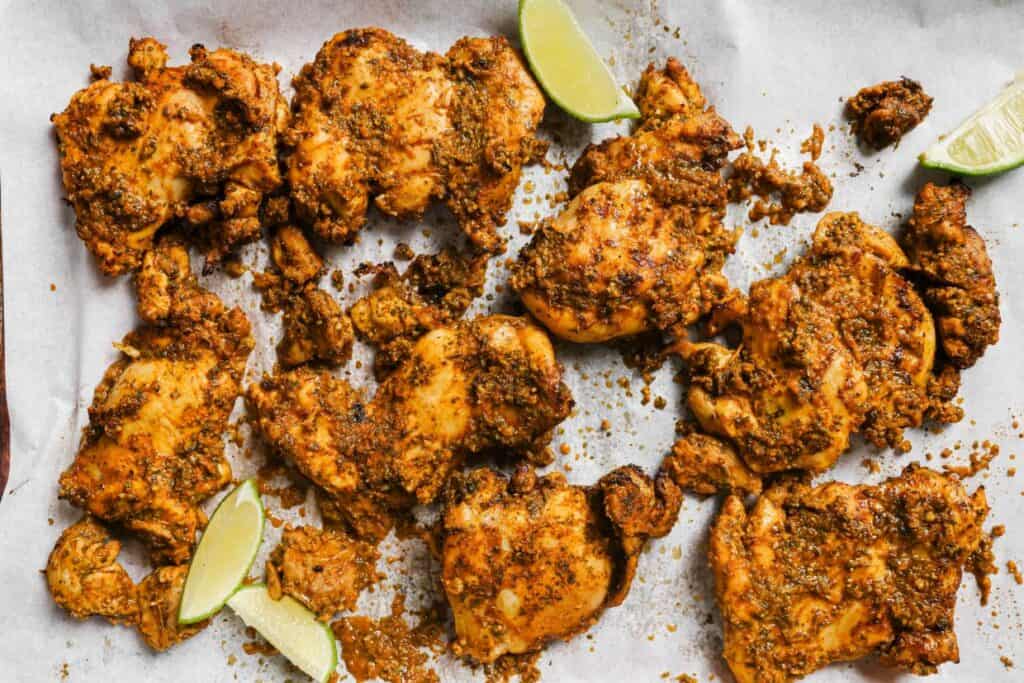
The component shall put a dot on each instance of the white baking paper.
(778, 66)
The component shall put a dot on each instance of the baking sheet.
(778, 66)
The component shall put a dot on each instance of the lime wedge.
(224, 555)
(990, 141)
(307, 642)
(568, 67)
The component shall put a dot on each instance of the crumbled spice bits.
(980, 457)
(885, 112)
(813, 144)
(808, 191)
(514, 667)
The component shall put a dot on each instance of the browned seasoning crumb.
(49, 520)
(509, 667)
(982, 565)
(387, 648)
(337, 279)
(979, 460)
(232, 660)
(685, 678)
(1014, 571)
(527, 227)
(259, 647)
(813, 144)
(871, 465)
(291, 495)
(235, 268)
(99, 72)
(1007, 662)
(403, 252)
(53, 287)
(809, 191)
(564, 449)
(660, 402)
(605, 426)
(885, 112)
(1012, 471)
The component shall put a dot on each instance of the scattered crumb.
(1014, 571)
(812, 145)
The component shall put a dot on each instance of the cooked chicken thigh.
(159, 600)
(196, 142)
(374, 117)
(840, 343)
(324, 570)
(490, 383)
(958, 285)
(532, 560)
(85, 578)
(153, 449)
(836, 572)
(641, 245)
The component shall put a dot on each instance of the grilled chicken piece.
(490, 383)
(532, 560)
(885, 112)
(838, 344)
(153, 450)
(641, 245)
(952, 263)
(836, 572)
(376, 118)
(197, 142)
(707, 465)
(85, 578)
(315, 329)
(324, 570)
(159, 600)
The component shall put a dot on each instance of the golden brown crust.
(159, 600)
(315, 330)
(196, 141)
(154, 447)
(530, 560)
(708, 466)
(85, 578)
(955, 271)
(836, 572)
(323, 569)
(374, 117)
(885, 112)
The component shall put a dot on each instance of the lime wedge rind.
(293, 630)
(990, 141)
(584, 54)
(211, 581)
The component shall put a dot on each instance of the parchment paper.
(778, 66)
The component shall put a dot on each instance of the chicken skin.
(836, 572)
(196, 142)
(85, 578)
(530, 560)
(323, 569)
(486, 384)
(952, 263)
(153, 448)
(840, 343)
(641, 245)
(374, 117)
(159, 600)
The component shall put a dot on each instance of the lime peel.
(990, 141)
(293, 630)
(567, 65)
(225, 554)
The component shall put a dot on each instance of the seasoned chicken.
(315, 329)
(159, 599)
(434, 290)
(324, 570)
(839, 343)
(885, 112)
(153, 448)
(486, 384)
(294, 256)
(707, 465)
(950, 259)
(836, 572)
(196, 142)
(807, 191)
(532, 560)
(641, 245)
(85, 578)
(374, 117)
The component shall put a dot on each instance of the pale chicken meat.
(814, 575)
(159, 600)
(153, 449)
(195, 143)
(323, 569)
(530, 560)
(486, 384)
(641, 245)
(838, 344)
(85, 578)
(375, 118)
